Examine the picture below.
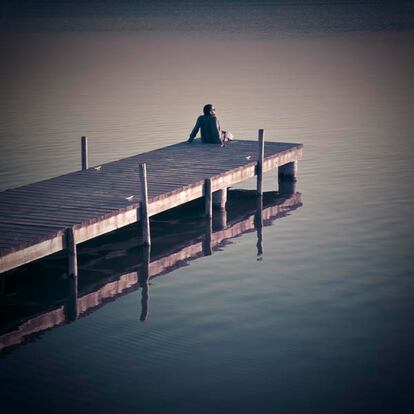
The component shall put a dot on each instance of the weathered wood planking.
(95, 201)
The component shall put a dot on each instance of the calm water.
(323, 323)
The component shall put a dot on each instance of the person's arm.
(195, 130)
(217, 131)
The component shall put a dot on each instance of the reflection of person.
(209, 126)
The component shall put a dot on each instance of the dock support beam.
(220, 198)
(208, 198)
(145, 224)
(84, 152)
(288, 171)
(260, 159)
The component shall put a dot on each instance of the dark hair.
(207, 109)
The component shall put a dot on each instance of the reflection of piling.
(84, 153)
(144, 282)
(207, 240)
(259, 166)
(258, 222)
(71, 306)
(145, 225)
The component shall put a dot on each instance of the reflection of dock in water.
(130, 267)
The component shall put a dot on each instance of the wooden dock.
(46, 217)
(131, 276)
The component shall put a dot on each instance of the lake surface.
(323, 321)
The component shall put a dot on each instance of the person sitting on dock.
(209, 126)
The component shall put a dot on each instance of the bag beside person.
(226, 136)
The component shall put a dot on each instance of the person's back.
(209, 126)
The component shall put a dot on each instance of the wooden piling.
(288, 172)
(259, 167)
(84, 151)
(208, 238)
(208, 198)
(146, 234)
(72, 253)
(220, 199)
(220, 219)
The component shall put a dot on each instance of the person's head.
(209, 109)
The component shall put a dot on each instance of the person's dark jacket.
(210, 129)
